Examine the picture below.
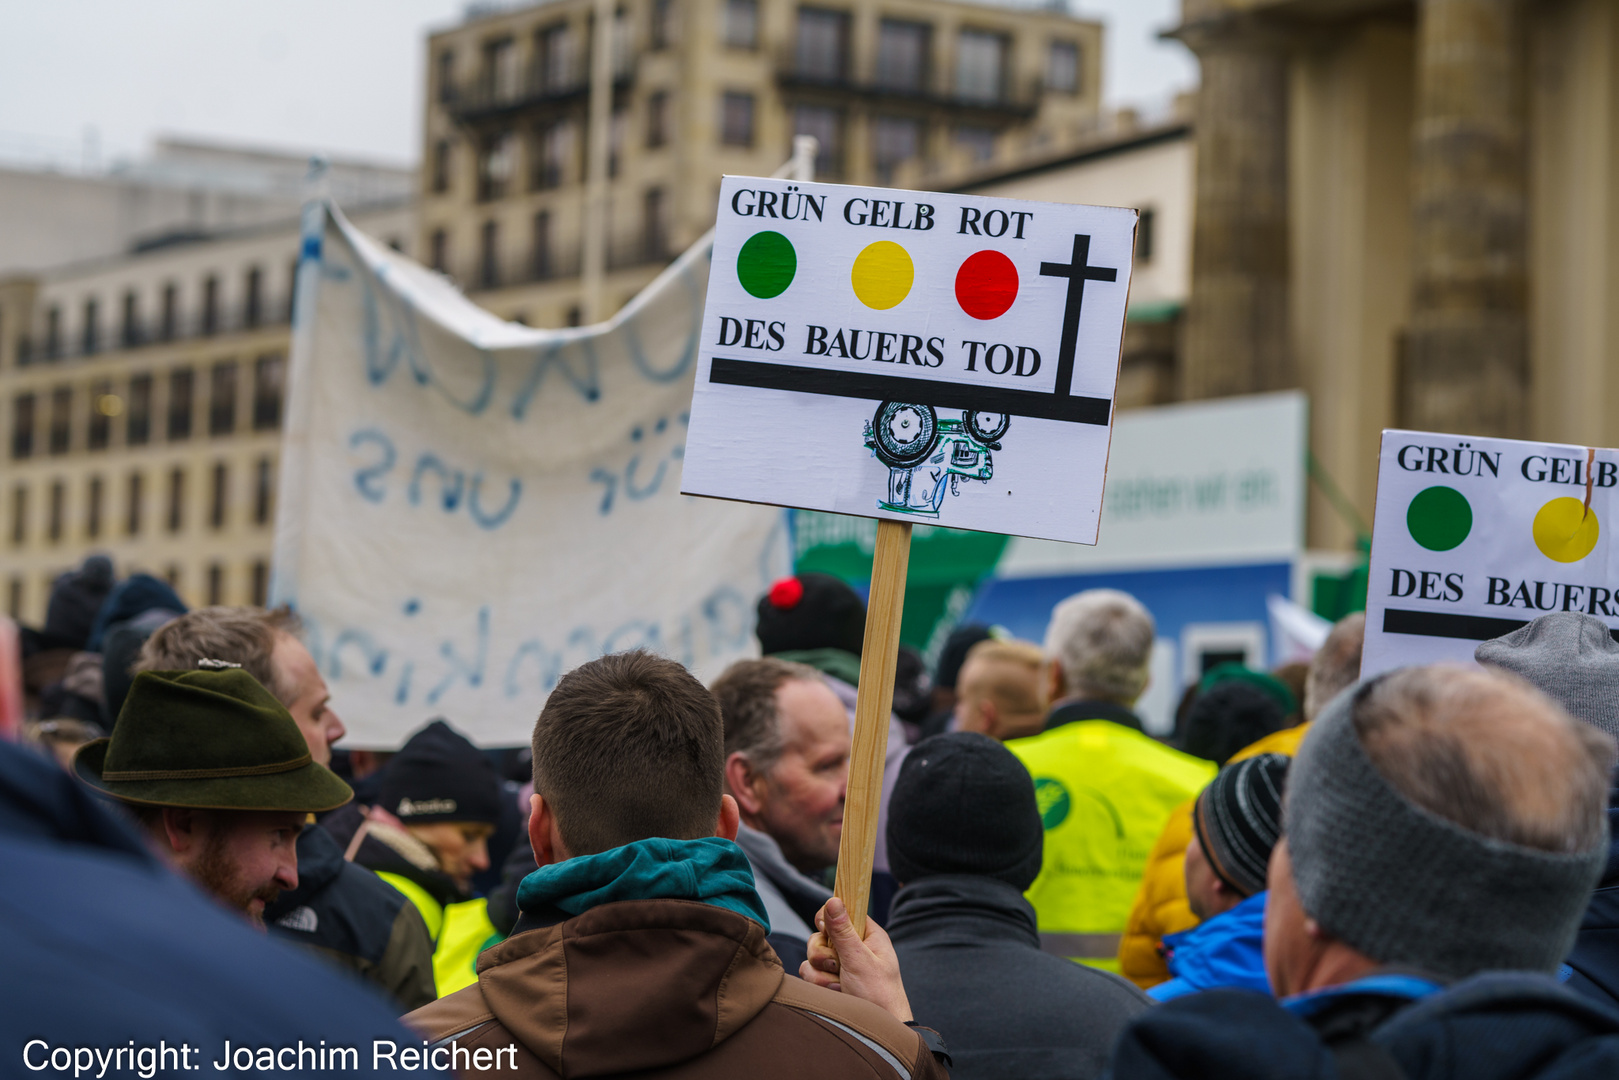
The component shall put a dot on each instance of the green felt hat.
(213, 740)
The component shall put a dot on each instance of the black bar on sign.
(1444, 624)
(941, 395)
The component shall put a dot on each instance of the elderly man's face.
(310, 706)
(245, 858)
(802, 795)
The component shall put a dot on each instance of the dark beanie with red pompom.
(811, 611)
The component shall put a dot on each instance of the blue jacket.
(1493, 1026)
(104, 946)
(1592, 968)
(1227, 950)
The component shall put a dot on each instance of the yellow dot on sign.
(1564, 531)
(882, 275)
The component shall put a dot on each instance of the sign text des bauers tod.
(911, 355)
(1474, 537)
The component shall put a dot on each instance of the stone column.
(1237, 317)
(1465, 363)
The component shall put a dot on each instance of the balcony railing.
(191, 326)
(527, 268)
(484, 99)
(1011, 102)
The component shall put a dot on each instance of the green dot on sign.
(1439, 518)
(766, 264)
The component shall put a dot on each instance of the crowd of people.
(1315, 875)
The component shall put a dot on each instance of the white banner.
(917, 356)
(469, 508)
(1475, 537)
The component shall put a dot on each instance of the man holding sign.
(907, 356)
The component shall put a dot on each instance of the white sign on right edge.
(1474, 537)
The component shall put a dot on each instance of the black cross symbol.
(1077, 273)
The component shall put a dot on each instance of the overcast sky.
(103, 77)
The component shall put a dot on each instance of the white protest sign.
(920, 357)
(1474, 537)
(470, 508)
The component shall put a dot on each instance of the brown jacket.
(662, 988)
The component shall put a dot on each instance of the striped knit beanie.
(1238, 819)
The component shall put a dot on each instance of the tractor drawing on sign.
(927, 455)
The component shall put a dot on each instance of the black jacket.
(1494, 1026)
(352, 917)
(974, 972)
(1594, 963)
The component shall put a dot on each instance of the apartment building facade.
(140, 412)
(903, 92)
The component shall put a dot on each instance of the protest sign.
(469, 508)
(948, 359)
(908, 356)
(1474, 537)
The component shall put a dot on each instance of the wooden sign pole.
(869, 746)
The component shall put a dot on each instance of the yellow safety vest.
(1104, 793)
(460, 932)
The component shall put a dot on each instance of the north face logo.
(300, 918)
(418, 807)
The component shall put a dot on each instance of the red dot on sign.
(986, 285)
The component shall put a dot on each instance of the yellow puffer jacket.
(1160, 906)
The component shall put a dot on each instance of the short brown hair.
(747, 696)
(629, 747)
(237, 635)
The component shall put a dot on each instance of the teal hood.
(711, 871)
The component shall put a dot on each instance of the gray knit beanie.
(1569, 657)
(1407, 887)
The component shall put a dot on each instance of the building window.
(169, 323)
(657, 119)
(542, 246)
(438, 247)
(574, 317)
(14, 597)
(553, 157)
(827, 127)
(177, 499)
(22, 426)
(895, 140)
(446, 75)
(617, 128)
(133, 505)
(53, 332)
(1144, 229)
(441, 166)
(216, 584)
(663, 24)
(655, 228)
(222, 398)
(103, 407)
(554, 57)
(182, 384)
(822, 48)
(736, 119)
(978, 142)
(131, 331)
(489, 255)
(269, 380)
(495, 159)
(252, 305)
(92, 509)
(210, 305)
(1062, 67)
(171, 574)
(138, 428)
(501, 81)
(19, 514)
(980, 65)
(263, 492)
(218, 495)
(902, 55)
(57, 512)
(61, 435)
(91, 339)
(261, 583)
(741, 24)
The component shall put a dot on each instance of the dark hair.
(1227, 717)
(628, 747)
(746, 692)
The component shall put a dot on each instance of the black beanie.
(439, 776)
(964, 804)
(76, 596)
(954, 653)
(811, 611)
(1227, 717)
(1238, 819)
